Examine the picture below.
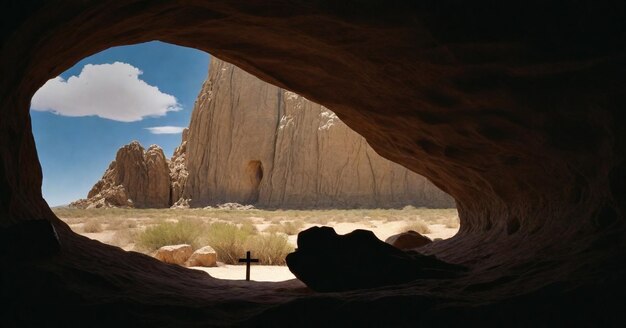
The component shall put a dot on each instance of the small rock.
(204, 257)
(175, 254)
(235, 207)
(182, 203)
(408, 240)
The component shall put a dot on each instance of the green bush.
(169, 233)
(270, 249)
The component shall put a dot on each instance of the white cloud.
(166, 129)
(112, 91)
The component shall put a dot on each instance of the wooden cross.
(248, 260)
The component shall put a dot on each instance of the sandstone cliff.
(178, 169)
(136, 178)
(254, 143)
(250, 142)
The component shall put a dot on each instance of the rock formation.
(174, 254)
(178, 169)
(250, 142)
(136, 178)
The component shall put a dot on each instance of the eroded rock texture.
(513, 108)
(178, 169)
(250, 142)
(136, 178)
(254, 143)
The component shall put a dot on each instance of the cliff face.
(254, 143)
(251, 142)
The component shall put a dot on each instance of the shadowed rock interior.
(514, 109)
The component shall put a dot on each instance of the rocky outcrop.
(408, 240)
(136, 178)
(174, 254)
(178, 169)
(254, 143)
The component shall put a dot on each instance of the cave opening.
(483, 101)
(139, 199)
(254, 171)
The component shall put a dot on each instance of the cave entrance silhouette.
(481, 100)
(137, 177)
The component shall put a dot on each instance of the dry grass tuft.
(170, 233)
(125, 237)
(92, 226)
(270, 249)
(289, 228)
(417, 226)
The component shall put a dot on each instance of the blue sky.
(106, 101)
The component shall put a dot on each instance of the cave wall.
(514, 109)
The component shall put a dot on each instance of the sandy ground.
(257, 272)
(381, 229)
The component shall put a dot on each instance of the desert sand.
(435, 220)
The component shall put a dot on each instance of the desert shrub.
(274, 228)
(289, 228)
(124, 237)
(117, 224)
(227, 240)
(322, 220)
(270, 249)
(248, 227)
(231, 243)
(452, 222)
(172, 233)
(417, 226)
(92, 226)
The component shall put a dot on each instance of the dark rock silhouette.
(328, 262)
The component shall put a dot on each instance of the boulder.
(174, 254)
(408, 240)
(327, 262)
(204, 257)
